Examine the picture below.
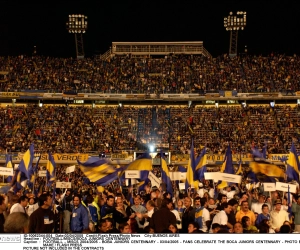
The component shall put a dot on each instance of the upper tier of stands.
(174, 73)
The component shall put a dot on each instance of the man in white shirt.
(20, 206)
(205, 215)
(221, 218)
(278, 216)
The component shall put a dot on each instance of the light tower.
(234, 24)
(77, 25)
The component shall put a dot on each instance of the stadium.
(154, 124)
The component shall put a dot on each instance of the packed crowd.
(111, 129)
(171, 74)
(234, 209)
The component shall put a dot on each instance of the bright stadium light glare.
(151, 148)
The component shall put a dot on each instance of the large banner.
(61, 157)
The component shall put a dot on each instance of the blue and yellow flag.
(266, 172)
(239, 171)
(33, 173)
(228, 162)
(191, 168)
(292, 168)
(26, 162)
(21, 181)
(8, 164)
(165, 175)
(99, 171)
(227, 167)
(200, 165)
(50, 168)
(144, 164)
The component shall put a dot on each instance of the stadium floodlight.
(77, 24)
(234, 23)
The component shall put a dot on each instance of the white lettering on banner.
(133, 174)
(149, 241)
(6, 171)
(63, 184)
(230, 177)
(42, 173)
(281, 186)
(154, 180)
(70, 169)
(175, 176)
(269, 187)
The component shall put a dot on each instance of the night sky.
(270, 27)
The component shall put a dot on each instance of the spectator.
(221, 217)
(2, 210)
(264, 215)
(245, 212)
(124, 228)
(80, 218)
(162, 218)
(238, 228)
(285, 229)
(278, 216)
(296, 211)
(32, 206)
(20, 206)
(108, 209)
(102, 226)
(173, 228)
(139, 210)
(215, 227)
(18, 222)
(92, 209)
(193, 228)
(231, 216)
(42, 220)
(248, 228)
(146, 217)
(188, 214)
(67, 211)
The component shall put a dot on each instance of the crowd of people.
(112, 129)
(115, 128)
(170, 74)
(233, 210)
